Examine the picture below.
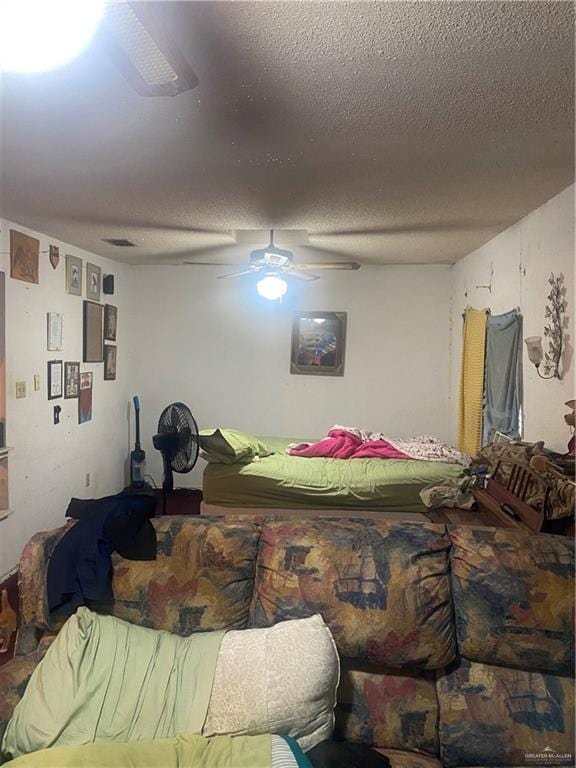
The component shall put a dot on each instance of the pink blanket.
(352, 443)
(341, 444)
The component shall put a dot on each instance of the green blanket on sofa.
(104, 679)
(180, 752)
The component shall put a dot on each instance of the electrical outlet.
(20, 389)
(87, 480)
(36, 382)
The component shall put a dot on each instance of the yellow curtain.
(472, 381)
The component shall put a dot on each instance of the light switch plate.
(20, 389)
(36, 382)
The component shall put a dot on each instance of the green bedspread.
(294, 482)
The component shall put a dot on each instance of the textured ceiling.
(394, 132)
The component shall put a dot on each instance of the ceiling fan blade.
(294, 272)
(349, 265)
(211, 264)
(238, 274)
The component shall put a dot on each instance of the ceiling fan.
(275, 261)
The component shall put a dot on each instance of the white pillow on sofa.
(281, 679)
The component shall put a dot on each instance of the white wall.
(226, 353)
(214, 344)
(522, 258)
(49, 462)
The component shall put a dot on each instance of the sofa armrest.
(14, 677)
(34, 614)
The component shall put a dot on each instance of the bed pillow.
(229, 446)
(281, 679)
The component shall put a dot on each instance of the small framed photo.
(110, 322)
(73, 275)
(54, 379)
(110, 351)
(85, 398)
(93, 332)
(93, 282)
(71, 380)
(55, 324)
(318, 343)
(24, 257)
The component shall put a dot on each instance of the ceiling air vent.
(145, 52)
(119, 242)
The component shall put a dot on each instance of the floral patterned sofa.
(457, 644)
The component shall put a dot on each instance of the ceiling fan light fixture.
(38, 36)
(272, 287)
(144, 51)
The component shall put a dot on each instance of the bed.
(284, 482)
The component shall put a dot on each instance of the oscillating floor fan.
(177, 441)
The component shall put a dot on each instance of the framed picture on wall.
(54, 379)
(71, 380)
(318, 343)
(24, 257)
(85, 398)
(93, 282)
(93, 335)
(55, 324)
(110, 351)
(110, 322)
(73, 275)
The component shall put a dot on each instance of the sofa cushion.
(202, 577)
(388, 709)
(382, 588)
(514, 598)
(496, 716)
(400, 758)
(281, 679)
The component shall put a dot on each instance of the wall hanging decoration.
(85, 398)
(71, 380)
(73, 275)
(108, 284)
(110, 351)
(110, 322)
(318, 343)
(55, 324)
(93, 347)
(24, 256)
(93, 280)
(54, 379)
(54, 255)
(554, 313)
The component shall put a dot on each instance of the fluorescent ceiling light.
(271, 287)
(39, 35)
(145, 52)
